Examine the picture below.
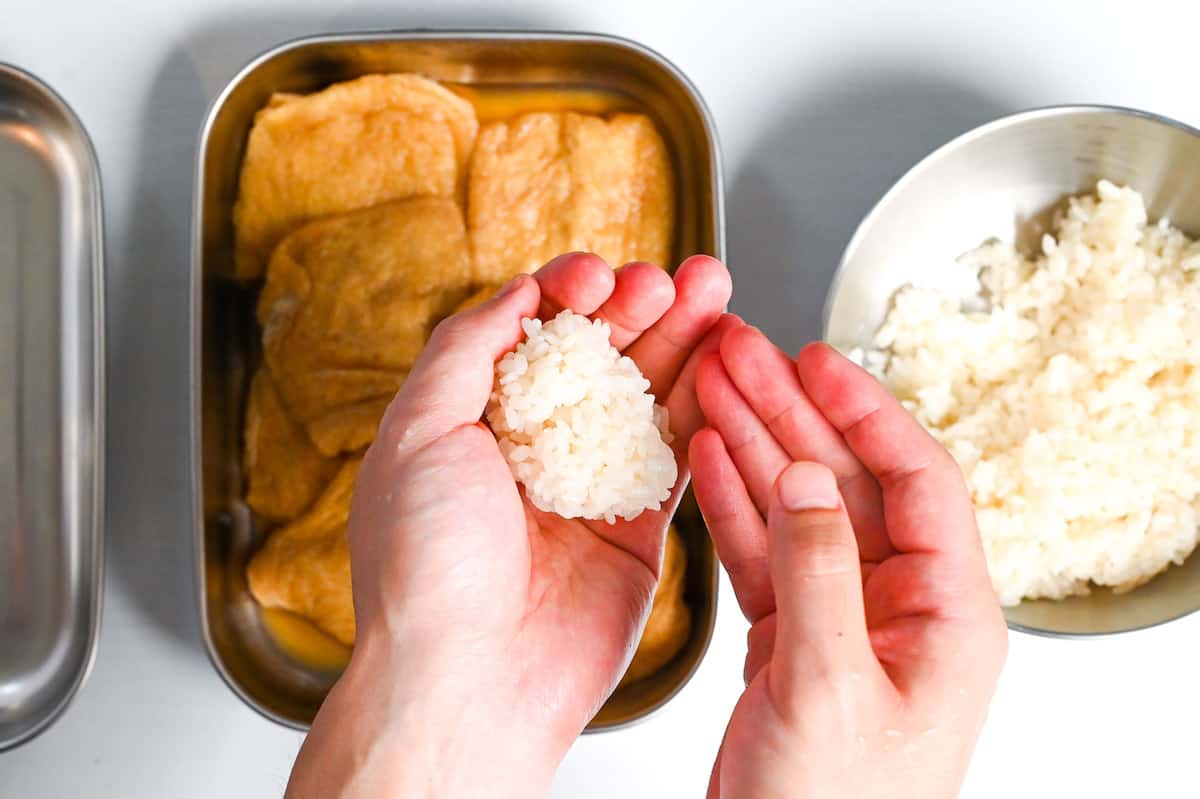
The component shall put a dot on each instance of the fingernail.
(808, 486)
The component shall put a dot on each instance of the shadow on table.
(149, 519)
(817, 169)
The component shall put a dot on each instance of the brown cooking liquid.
(296, 636)
(498, 102)
(301, 640)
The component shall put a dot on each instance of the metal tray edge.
(99, 410)
(196, 285)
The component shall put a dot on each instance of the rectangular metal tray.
(51, 405)
(225, 334)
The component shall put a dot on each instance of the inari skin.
(348, 304)
(355, 144)
(543, 184)
(670, 623)
(284, 471)
(351, 205)
(305, 566)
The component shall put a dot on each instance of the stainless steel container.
(1000, 181)
(51, 405)
(225, 335)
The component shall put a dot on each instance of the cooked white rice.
(576, 425)
(1072, 401)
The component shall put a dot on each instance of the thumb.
(451, 381)
(815, 573)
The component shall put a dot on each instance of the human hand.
(849, 537)
(489, 632)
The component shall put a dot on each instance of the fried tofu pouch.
(544, 183)
(304, 567)
(670, 623)
(284, 471)
(349, 302)
(353, 145)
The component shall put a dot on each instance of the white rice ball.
(576, 425)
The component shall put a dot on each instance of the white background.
(820, 106)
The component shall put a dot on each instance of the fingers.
(821, 625)
(923, 610)
(668, 354)
(580, 281)
(767, 379)
(702, 290)
(451, 381)
(924, 497)
(737, 530)
(760, 646)
(683, 408)
(643, 537)
(758, 456)
(642, 294)
(914, 584)
(934, 600)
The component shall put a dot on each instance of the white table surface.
(820, 106)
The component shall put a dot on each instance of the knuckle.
(747, 567)
(452, 327)
(949, 466)
(826, 549)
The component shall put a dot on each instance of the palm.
(586, 605)
(896, 593)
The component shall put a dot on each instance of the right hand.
(876, 639)
(489, 632)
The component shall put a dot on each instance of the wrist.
(399, 726)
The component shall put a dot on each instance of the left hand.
(489, 632)
(849, 537)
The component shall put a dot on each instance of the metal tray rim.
(196, 285)
(99, 405)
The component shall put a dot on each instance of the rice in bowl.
(1068, 390)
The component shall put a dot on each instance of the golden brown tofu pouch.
(348, 304)
(304, 567)
(284, 471)
(353, 145)
(670, 623)
(543, 184)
